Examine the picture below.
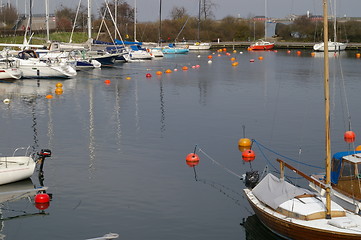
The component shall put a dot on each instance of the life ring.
(187, 46)
(197, 43)
(148, 50)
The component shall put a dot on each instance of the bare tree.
(178, 13)
(207, 9)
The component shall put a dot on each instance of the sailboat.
(198, 45)
(333, 46)
(296, 213)
(263, 44)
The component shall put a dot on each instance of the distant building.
(259, 18)
(37, 22)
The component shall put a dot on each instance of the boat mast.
(265, 20)
(327, 111)
(160, 23)
(334, 23)
(89, 19)
(47, 20)
(199, 19)
(135, 20)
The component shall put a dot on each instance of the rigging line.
(293, 160)
(214, 161)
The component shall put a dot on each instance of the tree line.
(182, 26)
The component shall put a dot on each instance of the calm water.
(119, 150)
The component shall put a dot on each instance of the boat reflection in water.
(255, 230)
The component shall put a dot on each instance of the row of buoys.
(184, 68)
(58, 90)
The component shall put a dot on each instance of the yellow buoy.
(128, 78)
(234, 51)
(49, 96)
(233, 59)
(260, 58)
(59, 85)
(244, 142)
(358, 55)
(235, 64)
(358, 148)
(159, 73)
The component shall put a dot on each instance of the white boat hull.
(10, 73)
(13, 169)
(40, 69)
(332, 46)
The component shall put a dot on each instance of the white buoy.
(199, 56)
(240, 52)
(209, 61)
(6, 101)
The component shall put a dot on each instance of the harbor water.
(119, 147)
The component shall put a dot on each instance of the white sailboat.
(333, 46)
(296, 213)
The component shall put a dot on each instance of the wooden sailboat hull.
(288, 228)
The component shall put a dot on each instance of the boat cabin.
(346, 173)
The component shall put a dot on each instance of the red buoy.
(349, 136)
(42, 198)
(148, 75)
(192, 159)
(248, 155)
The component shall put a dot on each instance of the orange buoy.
(260, 58)
(248, 155)
(159, 73)
(298, 52)
(210, 56)
(349, 136)
(313, 54)
(58, 91)
(148, 75)
(233, 59)
(358, 55)
(192, 159)
(107, 81)
(128, 78)
(235, 64)
(49, 96)
(224, 49)
(358, 148)
(185, 68)
(168, 71)
(59, 85)
(234, 51)
(288, 51)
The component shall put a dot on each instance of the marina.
(119, 140)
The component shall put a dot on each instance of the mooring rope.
(220, 165)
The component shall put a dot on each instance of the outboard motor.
(44, 153)
(251, 179)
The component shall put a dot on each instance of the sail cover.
(273, 191)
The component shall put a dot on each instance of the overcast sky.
(148, 10)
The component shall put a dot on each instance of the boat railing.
(22, 148)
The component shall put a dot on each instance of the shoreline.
(279, 45)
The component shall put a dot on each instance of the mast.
(265, 19)
(327, 111)
(115, 17)
(334, 23)
(135, 20)
(89, 20)
(199, 19)
(47, 20)
(160, 23)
